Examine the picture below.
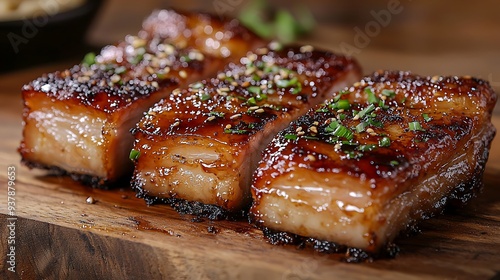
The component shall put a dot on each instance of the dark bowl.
(46, 38)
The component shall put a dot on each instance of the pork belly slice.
(202, 144)
(78, 121)
(380, 156)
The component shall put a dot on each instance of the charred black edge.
(350, 254)
(85, 179)
(198, 209)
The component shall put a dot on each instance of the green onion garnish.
(414, 126)
(254, 90)
(216, 114)
(251, 101)
(310, 137)
(366, 110)
(426, 117)
(343, 104)
(235, 131)
(342, 116)
(361, 127)
(367, 148)
(134, 154)
(205, 97)
(384, 142)
(291, 136)
(388, 92)
(342, 131)
(89, 59)
(197, 85)
(287, 83)
(371, 96)
(342, 92)
(394, 163)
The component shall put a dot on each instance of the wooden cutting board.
(58, 235)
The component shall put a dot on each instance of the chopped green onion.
(235, 131)
(384, 142)
(388, 92)
(367, 148)
(382, 105)
(251, 101)
(342, 131)
(297, 89)
(343, 104)
(310, 137)
(426, 118)
(374, 122)
(134, 154)
(216, 114)
(254, 90)
(205, 97)
(371, 96)
(361, 127)
(414, 126)
(366, 110)
(287, 83)
(261, 97)
(342, 116)
(332, 126)
(394, 163)
(322, 110)
(197, 85)
(89, 59)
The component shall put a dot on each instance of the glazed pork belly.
(380, 156)
(78, 121)
(197, 149)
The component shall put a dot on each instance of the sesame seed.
(115, 79)
(252, 57)
(383, 97)
(211, 118)
(221, 76)
(228, 126)
(467, 77)
(299, 129)
(311, 158)
(274, 45)
(137, 43)
(183, 74)
(245, 84)
(253, 108)
(169, 49)
(176, 91)
(84, 79)
(435, 79)
(166, 70)
(155, 84)
(150, 70)
(234, 83)
(313, 129)
(90, 200)
(235, 116)
(177, 123)
(340, 111)
(259, 111)
(370, 130)
(262, 51)
(356, 117)
(337, 146)
(306, 48)
(356, 84)
(300, 133)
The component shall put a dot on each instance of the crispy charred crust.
(198, 209)
(85, 179)
(348, 254)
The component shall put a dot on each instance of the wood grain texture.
(60, 236)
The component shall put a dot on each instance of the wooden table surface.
(59, 236)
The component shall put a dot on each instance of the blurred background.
(425, 36)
